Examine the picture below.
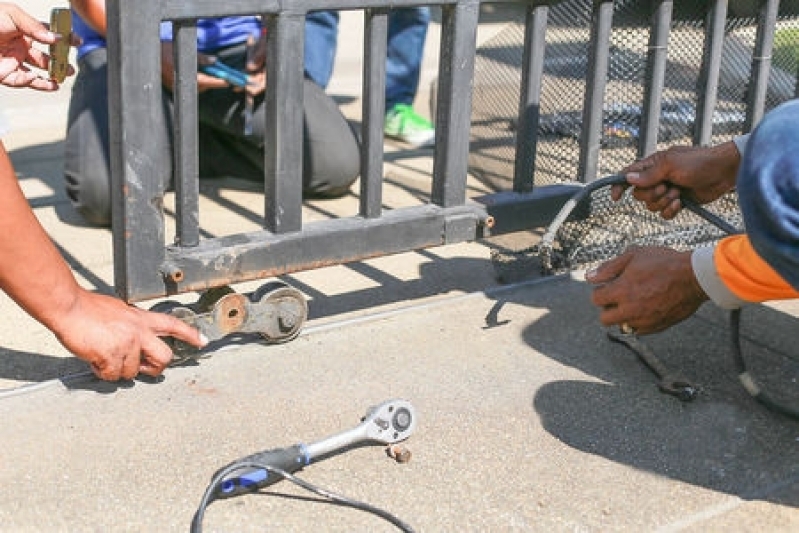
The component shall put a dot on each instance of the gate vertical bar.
(530, 97)
(761, 63)
(708, 84)
(285, 49)
(454, 104)
(374, 109)
(655, 77)
(596, 80)
(133, 42)
(186, 162)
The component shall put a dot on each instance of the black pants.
(331, 159)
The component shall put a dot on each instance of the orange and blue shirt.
(760, 265)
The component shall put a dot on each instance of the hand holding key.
(18, 33)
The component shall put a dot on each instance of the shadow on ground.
(31, 366)
(724, 440)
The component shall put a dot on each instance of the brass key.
(60, 23)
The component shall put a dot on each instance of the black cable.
(744, 376)
(746, 379)
(196, 523)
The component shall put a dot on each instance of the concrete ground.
(529, 418)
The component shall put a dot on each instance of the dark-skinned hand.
(646, 288)
(702, 173)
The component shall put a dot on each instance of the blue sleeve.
(216, 33)
(768, 190)
(90, 39)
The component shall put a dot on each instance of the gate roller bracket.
(276, 311)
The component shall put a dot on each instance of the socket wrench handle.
(387, 423)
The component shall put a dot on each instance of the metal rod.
(657, 57)
(374, 109)
(761, 63)
(530, 97)
(186, 160)
(596, 79)
(708, 83)
(284, 122)
(136, 157)
(454, 106)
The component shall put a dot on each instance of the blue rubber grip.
(250, 479)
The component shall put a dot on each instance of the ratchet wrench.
(387, 423)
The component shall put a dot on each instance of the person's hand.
(18, 31)
(256, 65)
(205, 82)
(702, 173)
(120, 341)
(646, 289)
(256, 81)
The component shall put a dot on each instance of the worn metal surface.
(274, 311)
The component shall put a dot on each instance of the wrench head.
(681, 389)
(390, 422)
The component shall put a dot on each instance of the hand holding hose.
(663, 179)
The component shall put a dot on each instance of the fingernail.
(590, 273)
(633, 176)
(203, 339)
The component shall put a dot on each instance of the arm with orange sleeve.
(732, 274)
(762, 265)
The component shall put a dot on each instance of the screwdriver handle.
(249, 479)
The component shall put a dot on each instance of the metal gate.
(146, 266)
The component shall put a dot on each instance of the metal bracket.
(276, 311)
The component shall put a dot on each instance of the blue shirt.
(91, 39)
(212, 34)
(768, 190)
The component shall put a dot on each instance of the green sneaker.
(403, 123)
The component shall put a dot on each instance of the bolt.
(287, 321)
(399, 453)
(287, 318)
(172, 273)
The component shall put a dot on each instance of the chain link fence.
(498, 73)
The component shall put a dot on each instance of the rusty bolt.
(172, 273)
(399, 453)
